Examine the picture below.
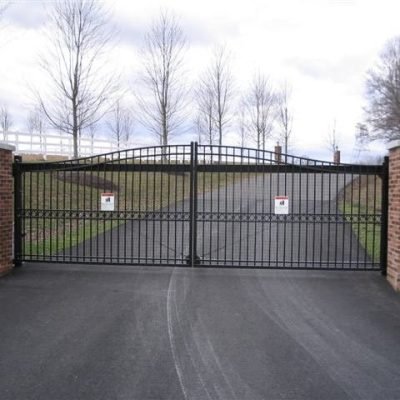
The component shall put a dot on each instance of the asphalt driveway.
(118, 332)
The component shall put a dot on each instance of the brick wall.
(6, 208)
(393, 259)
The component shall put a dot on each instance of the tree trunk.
(75, 141)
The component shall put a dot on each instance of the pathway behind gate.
(309, 244)
(113, 332)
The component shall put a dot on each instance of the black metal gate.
(197, 205)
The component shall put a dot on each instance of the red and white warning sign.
(281, 204)
(107, 202)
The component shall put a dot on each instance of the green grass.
(369, 235)
(363, 197)
(134, 191)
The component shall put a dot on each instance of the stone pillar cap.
(393, 144)
(6, 146)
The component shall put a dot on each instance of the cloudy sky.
(323, 48)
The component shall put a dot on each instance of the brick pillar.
(393, 253)
(6, 208)
(336, 156)
(278, 153)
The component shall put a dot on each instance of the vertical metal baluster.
(204, 223)
(314, 239)
(255, 180)
(226, 208)
(184, 196)
(182, 221)
(64, 206)
(104, 212)
(374, 255)
(349, 262)
(118, 198)
(193, 205)
(43, 207)
(262, 210)
(210, 208)
(345, 212)
(168, 177)
(161, 206)
(153, 225)
(50, 203)
(307, 215)
(57, 208)
(360, 182)
(330, 172)
(285, 216)
(128, 172)
(291, 210)
(140, 209)
(23, 220)
(277, 239)
(98, 208)
(367, 225)
(300, 225)
(271, 205)
(89, 207)
(248, 209)
(147, 209)
(321, 177)
(111, 214)
(31, 224)
(78, 220)
(233, 225)
(218, 223)
(39, 233)
(71, 220)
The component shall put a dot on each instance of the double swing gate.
(202, 205)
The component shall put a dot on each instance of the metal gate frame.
(264, 162)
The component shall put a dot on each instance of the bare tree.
(36, 123)
(361, 140)
(120, 125)
(6, 121)
(332, 139)
(91, 131)
(261, 102)
(383, 94)
(206, 112)
(284, 116)
(219, 81)
(242, 123)
(80, 88)
(162, 100)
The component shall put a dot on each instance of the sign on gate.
(281, 205)
(107, 202)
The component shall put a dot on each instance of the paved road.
(228, 234)
(112, 332)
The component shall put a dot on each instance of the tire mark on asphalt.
(189, 392)
(201, 371)
(335, 350)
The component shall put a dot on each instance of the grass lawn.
(363, 197)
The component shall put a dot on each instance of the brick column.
(393, 253)
(6, 208)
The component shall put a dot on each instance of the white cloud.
(323, 47)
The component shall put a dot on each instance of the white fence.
(53, 144)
